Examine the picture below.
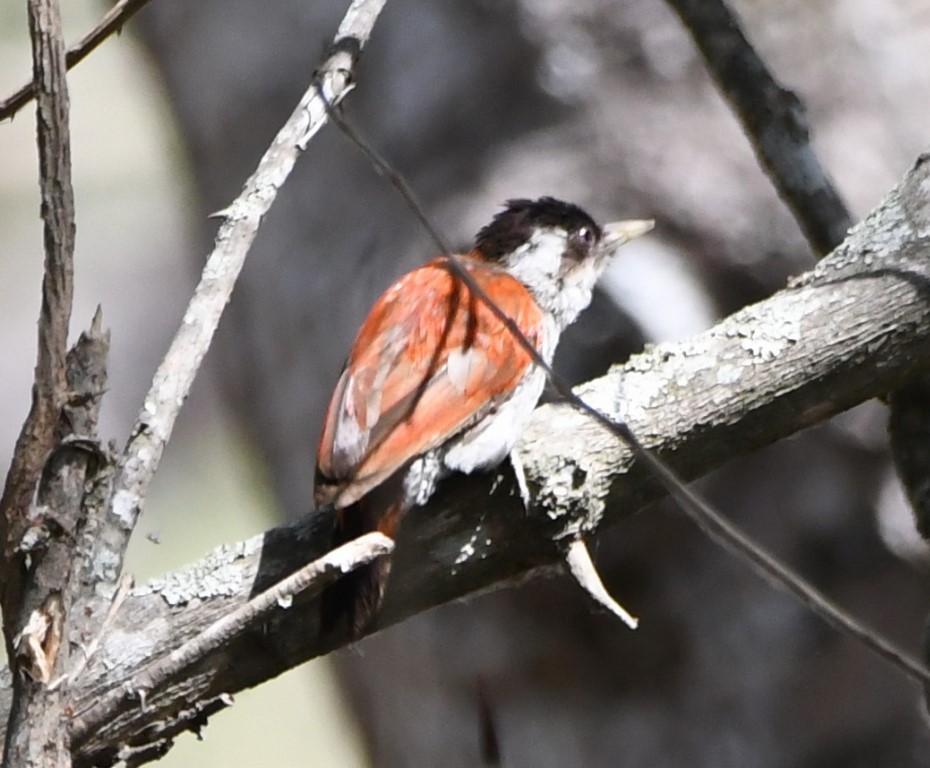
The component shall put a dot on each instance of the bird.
(435, 383)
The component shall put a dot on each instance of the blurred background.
(604, 103)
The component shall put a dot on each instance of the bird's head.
(554, 248)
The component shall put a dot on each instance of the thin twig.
(175, 374)
(774, 120)
(712, 522)
(308, 581)
(582, 568)
(112, 21)
(122, 592)
(488, 738)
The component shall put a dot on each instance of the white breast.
(489, 442)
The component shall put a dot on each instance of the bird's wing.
(430, 360)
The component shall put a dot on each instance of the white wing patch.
(459, 365)
(349, 440)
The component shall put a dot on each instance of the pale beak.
(616, 233)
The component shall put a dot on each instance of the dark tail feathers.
(354, 600)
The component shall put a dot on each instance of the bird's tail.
(354, 600)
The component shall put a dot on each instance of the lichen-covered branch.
(308, 581)
(55, 548)
(856, 326)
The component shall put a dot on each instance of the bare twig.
(488, 739)
(123, 589)
(175, 374)
(711, 521)
(308, 581)
(585, 573)
(774, 120)
(909, 437)
(112, 21)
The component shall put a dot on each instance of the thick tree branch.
(37, 555)
(774, 120)
(55, 549)
(855, 327)
(112, 21)
(37, 436)
(309, 581)
(175, 374)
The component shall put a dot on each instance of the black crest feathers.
(514, 226)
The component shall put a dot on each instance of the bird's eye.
(586, 235)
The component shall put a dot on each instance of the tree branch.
(309, 581)
(55, 549)
(112, 21)
(774, 120)
(856, 326)
(36, 438)
(36, 557)
(175, 374)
